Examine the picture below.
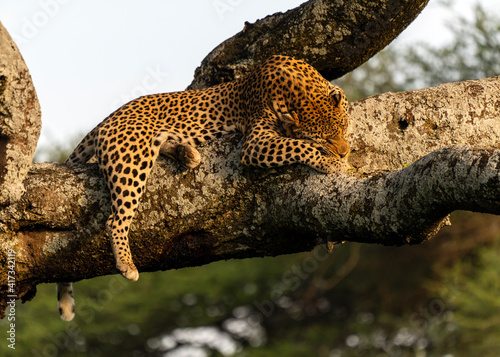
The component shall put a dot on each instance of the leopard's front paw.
(333, 165)
(343, 166)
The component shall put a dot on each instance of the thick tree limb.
(223, 210)
(333, 36)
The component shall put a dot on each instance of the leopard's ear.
(336, 94)
(336, 97)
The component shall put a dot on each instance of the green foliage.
(472, 54)
(113, 312)
(475, 301)
(56, 151)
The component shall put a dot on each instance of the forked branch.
(333, 36)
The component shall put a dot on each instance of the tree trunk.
(20, 120)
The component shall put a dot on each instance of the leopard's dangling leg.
(126, 184)
(117, 227)
(126, 189)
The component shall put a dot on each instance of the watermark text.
(11, 299)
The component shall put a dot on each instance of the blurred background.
(440, 298)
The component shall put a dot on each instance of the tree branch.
(224, 210)
(333, 36)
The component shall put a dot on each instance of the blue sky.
(89, 57)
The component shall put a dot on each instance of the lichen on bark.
(392, 130)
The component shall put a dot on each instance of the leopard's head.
(308, 106)
(320, 116)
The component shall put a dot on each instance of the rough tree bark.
(20, 122)
(416, 157)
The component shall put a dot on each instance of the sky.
(89, 57)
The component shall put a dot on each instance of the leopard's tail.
(82, 153)
(85, 150)
(65, 301)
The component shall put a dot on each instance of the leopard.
(286, 110)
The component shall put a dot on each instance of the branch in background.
(333, 36)
(224, 210)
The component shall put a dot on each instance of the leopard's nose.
(340, 146)
(343, 149)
